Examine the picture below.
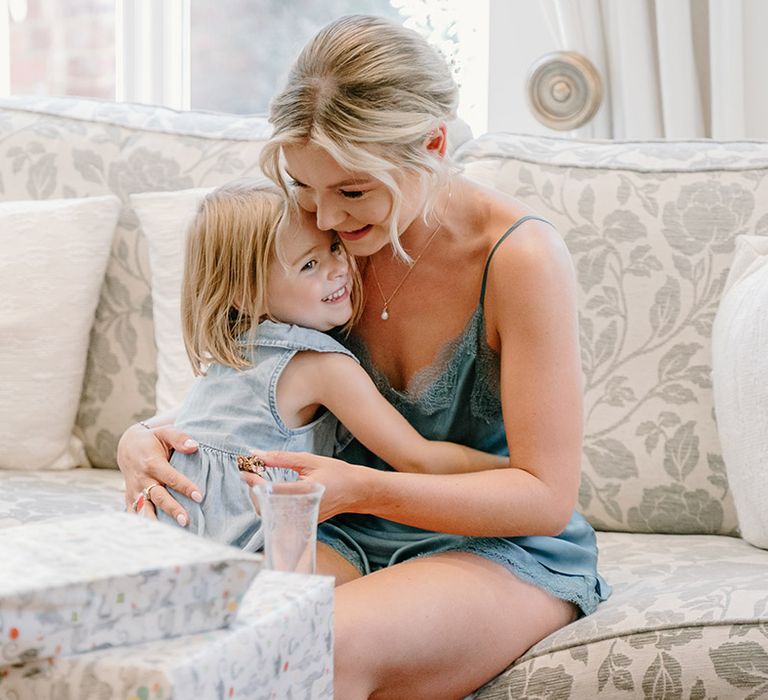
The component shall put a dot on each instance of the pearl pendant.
(384, 314)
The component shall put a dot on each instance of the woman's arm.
(142, 456)
(475, 504)
(341, 385)
(531, 318)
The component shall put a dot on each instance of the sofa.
(653, 228)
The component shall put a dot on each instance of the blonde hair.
(230, 245)
(370, 93)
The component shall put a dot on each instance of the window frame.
(152, 56)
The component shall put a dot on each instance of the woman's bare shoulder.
(534, 241)
(530, 268)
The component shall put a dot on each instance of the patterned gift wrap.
(76, 584)
(279, 647)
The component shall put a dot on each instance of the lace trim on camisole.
(434, 387)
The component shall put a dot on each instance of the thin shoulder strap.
(517, 223)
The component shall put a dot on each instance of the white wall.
(521, 31)
(514, 46)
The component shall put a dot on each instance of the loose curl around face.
(371, 94)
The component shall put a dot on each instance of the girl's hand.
(142, 455)
(346, 485)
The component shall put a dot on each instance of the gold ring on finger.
(147, 490)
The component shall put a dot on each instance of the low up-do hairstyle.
(229, 247)
(370, 93)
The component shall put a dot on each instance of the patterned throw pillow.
(651, 229)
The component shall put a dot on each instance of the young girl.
(259, 291)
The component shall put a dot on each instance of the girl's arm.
(341, 385)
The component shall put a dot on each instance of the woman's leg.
(436, 627)
(331, 563)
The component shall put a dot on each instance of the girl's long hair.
(230, 245)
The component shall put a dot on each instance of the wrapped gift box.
(75, 584)
(280, 646)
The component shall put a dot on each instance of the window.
(240, 50)
(220, 55)
(62, 47)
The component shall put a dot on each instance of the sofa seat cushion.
(724, 661)
(40, 495)
(687, 619)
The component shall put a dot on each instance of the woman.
(470, 330)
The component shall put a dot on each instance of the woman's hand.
(346, 485)
(142, 455)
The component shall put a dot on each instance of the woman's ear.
(437, 140)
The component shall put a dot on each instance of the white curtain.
(672, 68)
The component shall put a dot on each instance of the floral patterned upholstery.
(29, 496)
(688, 618)
(651, 229)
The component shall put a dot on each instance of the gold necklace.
(387, 300)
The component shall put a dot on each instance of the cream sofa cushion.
(687, 619)
(54, 255)
(740, 379)
(164, 218)
(31, 496)
(651, 229)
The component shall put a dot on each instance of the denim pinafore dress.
(458, 399)
(229, 412)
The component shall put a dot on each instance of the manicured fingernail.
(190, 443)
(181, 519)
(197, 497)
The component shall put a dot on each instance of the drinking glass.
(289, 512)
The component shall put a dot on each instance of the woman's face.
(353, 204)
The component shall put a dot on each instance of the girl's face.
(312, 288)
(354, 205)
